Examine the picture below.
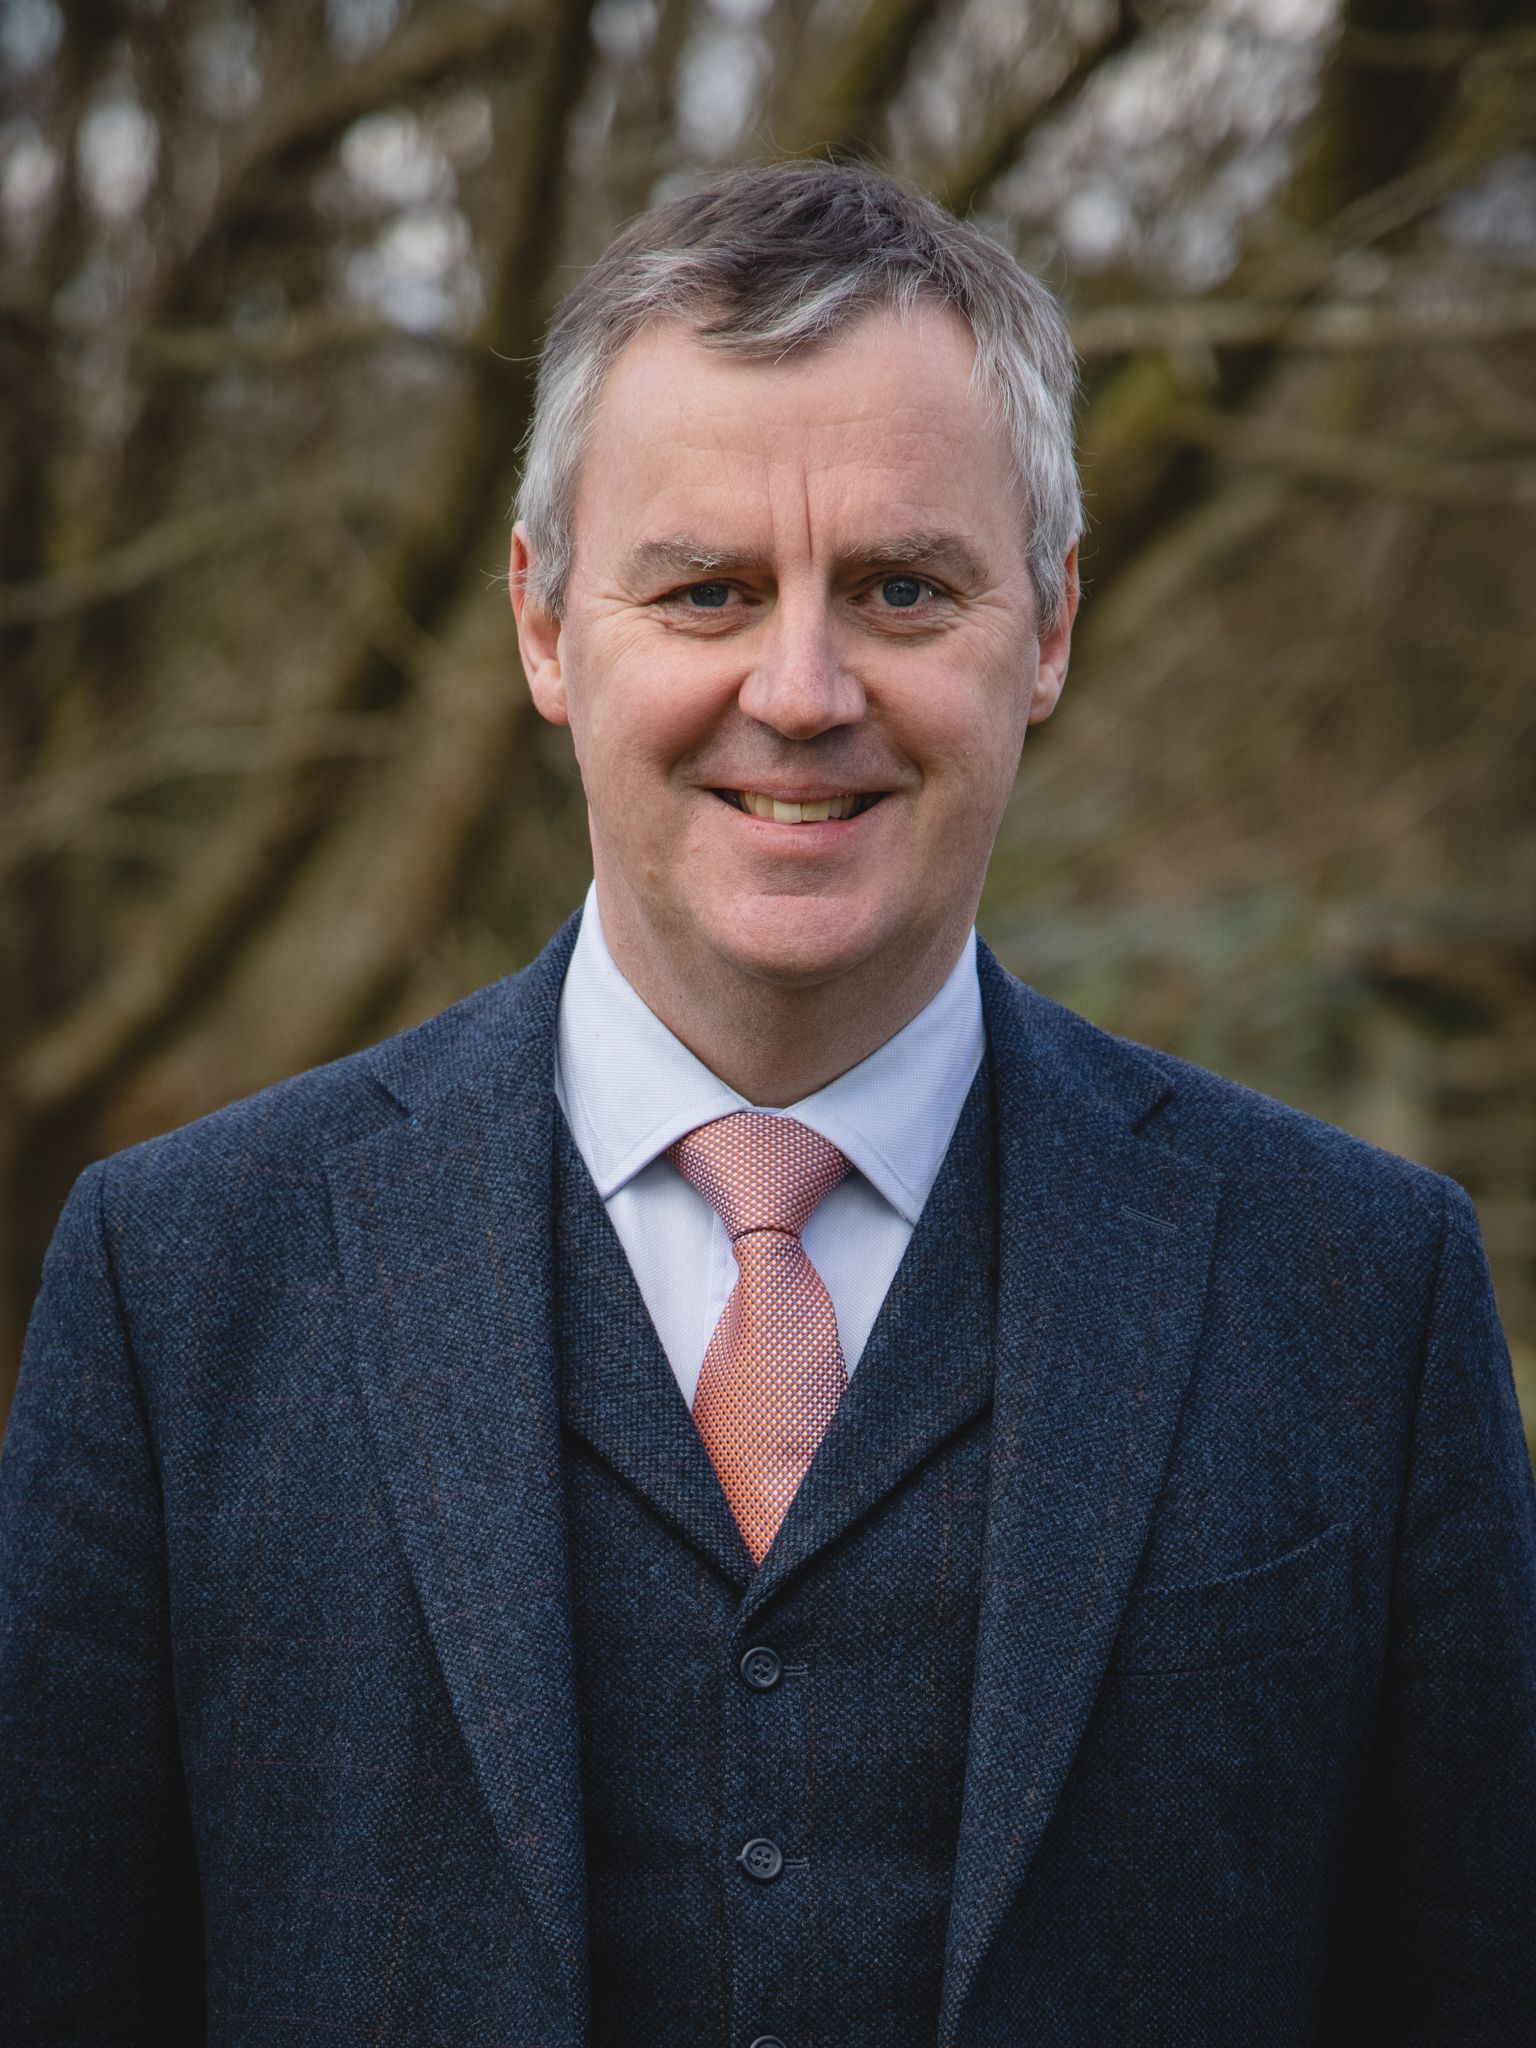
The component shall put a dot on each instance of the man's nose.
(801, 684)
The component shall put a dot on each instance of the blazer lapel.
(1104, 1255)
(622, 1397)
(910, 1392)
(443, 1225)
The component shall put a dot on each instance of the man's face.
(800, 650)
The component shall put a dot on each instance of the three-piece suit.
(1148, 1656)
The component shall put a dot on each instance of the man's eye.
(707, 597)
(902, 592)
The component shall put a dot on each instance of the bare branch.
(1131, 434)
(1187, 554)
(999, 149)
(1478, 127)
(859, 78)
(435, 43)
(1338, 324)
(1387, 50)
(174, 543)
(305, 336)
(1360, 463)
(375, 899)
(190, 942)
(43, 818)
(1404, 202)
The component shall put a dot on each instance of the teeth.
(814, 812)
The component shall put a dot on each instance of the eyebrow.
(947, 554)
(677, 555)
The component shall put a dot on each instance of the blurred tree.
(274, 282)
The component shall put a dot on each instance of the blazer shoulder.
(1244, 1131)
(1273, 1158)
(292, 1130)
(1303, 1183)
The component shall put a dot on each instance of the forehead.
(885, 425)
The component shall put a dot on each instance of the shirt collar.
(629, 1087)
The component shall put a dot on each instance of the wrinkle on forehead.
(870, 445)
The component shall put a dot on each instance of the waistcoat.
(772, 1760)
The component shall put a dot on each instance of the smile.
(802, 810)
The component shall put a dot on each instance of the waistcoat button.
(761, 1668)
(767, 2041)
(761, 1859)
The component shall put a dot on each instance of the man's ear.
(1056, 645)
(538, 636)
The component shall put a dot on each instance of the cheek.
(639, 703)
(968, 728)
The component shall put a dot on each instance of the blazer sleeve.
(1438, 1947)
(100, 1936)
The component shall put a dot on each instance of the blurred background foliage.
(274, 278)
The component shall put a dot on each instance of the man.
(759, 1483)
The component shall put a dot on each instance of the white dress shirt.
(628, 1088)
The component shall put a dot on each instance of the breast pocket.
(1288, 1600)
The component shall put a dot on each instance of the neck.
(775, 1043)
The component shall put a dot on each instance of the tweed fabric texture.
(853, 1762)
(290, 1749)
(774, 1372)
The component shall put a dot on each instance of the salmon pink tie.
(774, 1372)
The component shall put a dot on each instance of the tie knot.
(759, 1172)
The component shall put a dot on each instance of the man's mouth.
(801, 810)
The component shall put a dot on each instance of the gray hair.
(768, 261)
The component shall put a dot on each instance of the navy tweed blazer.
(288, 1739)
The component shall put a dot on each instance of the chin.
(795, 942)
